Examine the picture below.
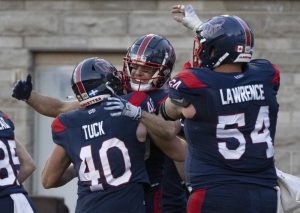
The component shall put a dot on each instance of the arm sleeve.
(276, 78)
(58, 131)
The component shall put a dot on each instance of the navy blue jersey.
(231, 136)
(104, 150)
(9, 161)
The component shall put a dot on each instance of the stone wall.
(31, 26)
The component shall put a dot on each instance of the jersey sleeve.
(143, 100)
(184, 87)
(276, 78)
(58, 131)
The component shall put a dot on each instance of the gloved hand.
(22, 89)
(189, 19)
(119, 106)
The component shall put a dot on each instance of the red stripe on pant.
(196, 201)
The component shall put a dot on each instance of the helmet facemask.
(154, 53)
(160, 75)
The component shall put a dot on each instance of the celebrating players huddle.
(217, 116)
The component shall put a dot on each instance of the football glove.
(190, 19)
(119, 106)
(22, 89)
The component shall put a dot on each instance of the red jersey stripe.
(190, 80)
(57, 125)
(276, 77)
(137, 98)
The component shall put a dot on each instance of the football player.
(16, 165)
(229, 106)
(147, 67)
(109, 163)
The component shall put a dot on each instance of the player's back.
(9, 161)
(232, 134)
(107, 156)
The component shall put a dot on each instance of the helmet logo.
(93, 93)
(210, 28)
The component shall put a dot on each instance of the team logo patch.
(209, 29)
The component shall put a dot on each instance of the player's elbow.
(48, 181)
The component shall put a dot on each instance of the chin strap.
(93, 100)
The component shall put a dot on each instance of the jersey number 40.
(88, 172)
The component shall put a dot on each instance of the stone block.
(288, 57)
(273, 25)
(297, 79)
(262, 6)
(111, 42)
(95, 23)
(50, 5)
(28, 23)
(11, 42)
(199, 6)
(14, 58)
(281, 44)
(284, 117)
(144, 22)
(56, 43)
(11, 5)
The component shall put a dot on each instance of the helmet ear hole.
(212, 52)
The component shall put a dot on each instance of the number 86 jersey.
(231, 136)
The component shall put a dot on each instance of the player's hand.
(187, 16)
(118, 107)
(22, 89)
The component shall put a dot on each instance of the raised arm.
(186, 15)
(44, 105)
(27, 165)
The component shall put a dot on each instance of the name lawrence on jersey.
(242, 94)
(93, 130)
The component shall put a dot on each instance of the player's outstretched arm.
(44, 105)
(56, 172)
(162, 132)
(27, 164)
(49, 106)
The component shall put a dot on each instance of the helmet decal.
(77, 79)
(212, 27)
(140, 53)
